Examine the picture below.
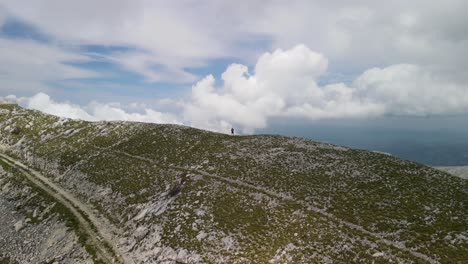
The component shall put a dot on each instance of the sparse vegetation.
(247, 198)
(42, 197)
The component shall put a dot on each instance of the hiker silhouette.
(232, 131)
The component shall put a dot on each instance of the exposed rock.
(140, 233)
(378, 254)
(168, 254)
(6, 187)
(35, 213)
(19, 225)
(141, 215)
(182, 256)
(201, 235)
(229, 242)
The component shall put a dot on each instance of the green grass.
(378, 192)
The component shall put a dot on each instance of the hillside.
(166, 193)
(460, 171)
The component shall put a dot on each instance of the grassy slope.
(400, 200)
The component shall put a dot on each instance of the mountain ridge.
(175, 192)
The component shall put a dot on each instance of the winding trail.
(88, 222)
(108, 251)
(379, 237)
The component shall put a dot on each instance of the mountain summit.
(75, 191)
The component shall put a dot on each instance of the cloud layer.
(28, 65)
(162, 39)
(284, 84)
(94, 111)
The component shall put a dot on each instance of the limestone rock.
(19, 225)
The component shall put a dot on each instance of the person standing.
(232, 131)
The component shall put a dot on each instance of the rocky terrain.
(172, 194)
(32, 226)
(460, 171)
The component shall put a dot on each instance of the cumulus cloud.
(358, 34)
(101, 111)
(42, 102)
(284, 84)
(282, 79)
(92, 112)
(162, 40)
(185, 34)
(407, 89)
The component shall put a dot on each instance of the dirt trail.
(380, 238)
(105, 248)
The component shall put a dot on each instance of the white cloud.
(406, 89)
(160, 35)
(27, 65)
(101, 111)
(363, 34)
(151, 67)
(93, 112)
(3, 16)
(284, 84)
(167, 37)
(44, 103)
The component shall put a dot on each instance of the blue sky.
(116, 80)
(247, 64)
(113, 80)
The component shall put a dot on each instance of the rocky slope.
(172, 193)
(33, 227)
(460, 171)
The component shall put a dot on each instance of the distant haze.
(435, 141)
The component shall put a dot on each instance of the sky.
(251, 65)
